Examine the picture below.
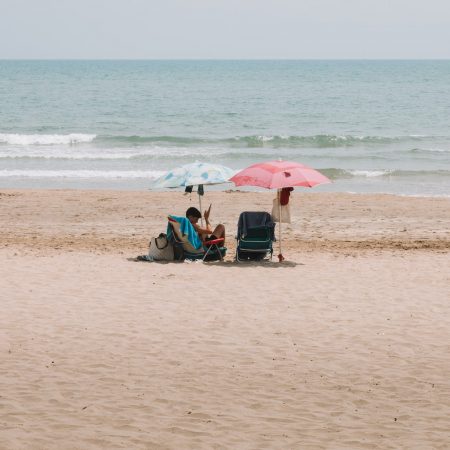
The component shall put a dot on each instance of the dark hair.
(193, 212)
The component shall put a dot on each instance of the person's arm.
(206, 216)
(200, 230)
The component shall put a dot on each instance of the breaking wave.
(257, 141)
(252, 141)
(110, 174)
(334, 173)
(45, 139)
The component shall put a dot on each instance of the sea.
(370, 126)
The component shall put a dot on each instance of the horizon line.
(225, 59)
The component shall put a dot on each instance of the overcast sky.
(166, 29)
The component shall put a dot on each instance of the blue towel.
(186, 228)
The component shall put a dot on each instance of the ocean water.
(371, 126)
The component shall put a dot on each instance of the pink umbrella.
(278, 175)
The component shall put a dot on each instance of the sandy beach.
(343, 346)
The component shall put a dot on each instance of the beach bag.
(160, 249)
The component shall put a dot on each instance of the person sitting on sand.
(205, 233)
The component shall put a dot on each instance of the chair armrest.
(214, 242)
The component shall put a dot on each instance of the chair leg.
(206, 253)
(209, 249)
(237, 252)
(220, 253)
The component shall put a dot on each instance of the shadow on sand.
(240, 264)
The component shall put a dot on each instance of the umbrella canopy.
(278, 175)
(193, 175)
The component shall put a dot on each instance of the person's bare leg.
(219, 232)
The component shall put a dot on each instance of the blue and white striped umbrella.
(193, 175)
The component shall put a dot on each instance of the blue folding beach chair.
(255, 236)
(187, 243)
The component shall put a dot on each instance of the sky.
(224, 29)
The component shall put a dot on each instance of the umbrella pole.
(200, 203)
(280, 256)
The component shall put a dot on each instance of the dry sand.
(345, 346)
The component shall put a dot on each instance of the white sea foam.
(46, 139)
(63, 155)
(109, 174)
(369, 173)
(49, 154)
(86, 153)
(435, 150)
(265, 138)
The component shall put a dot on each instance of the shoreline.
(212, 188)
(143, 189)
